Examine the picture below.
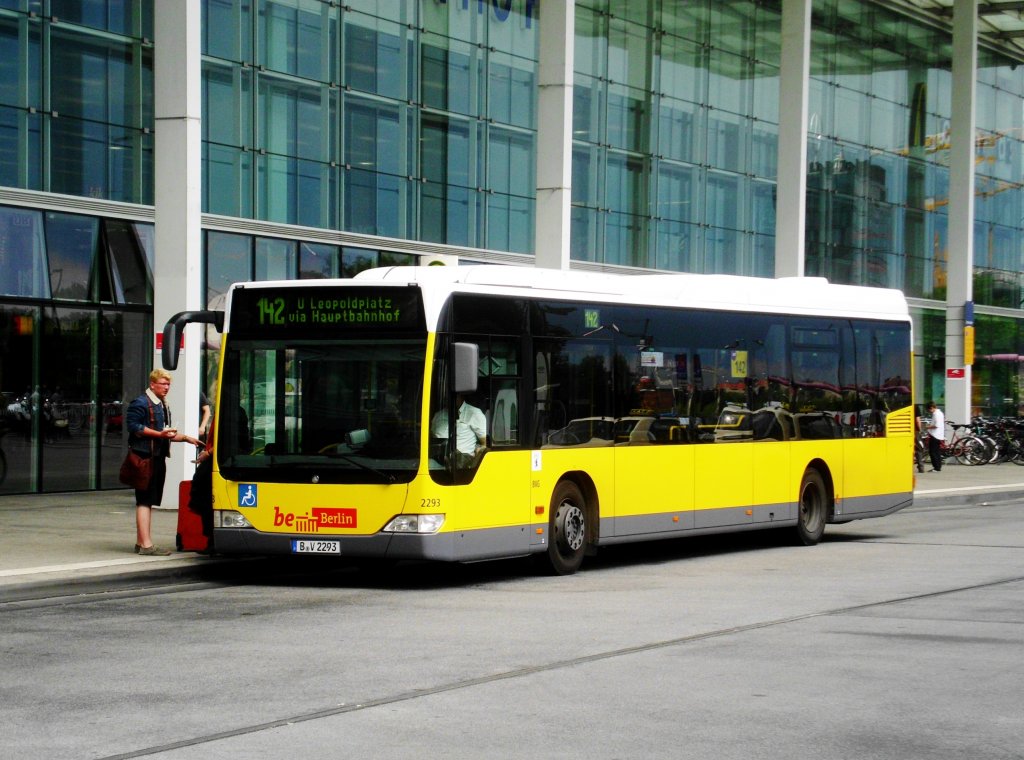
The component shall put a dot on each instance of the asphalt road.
(894, 638)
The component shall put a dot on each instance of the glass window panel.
(445, 214)
(678, 246)
(722, 199)
(71, 243)
(852, 117)
(111, 15)
(228, 260)
(10, 63)
(683, 69)
(296, 36)
(587, 110)
(728, 141)
(764, 149)
(690, 20)
(625, 242)
(18, 325)
(79, 157)
(449, 73)
(513, 28)
(295, 119)
(590, 55)
(626, 186)
(762, 211)
(375, 137)
(10, 146)
(376, 204)
(99, 79)
(227, 105)
(821, 97)
(729, 82)
(445, 151)
(732, 27)
(228, 185)
(355, 260)
(585, 174)
(677, 199)
(629, 55)
(767, 31)
(393, 259)
(720, 251)
(66, 372)
(226, 29)
(681, 130)
(129, 267)
(387, 9)
(765, 86)
(23, 267)
(318, 261)
(511, 87)
(276, 259)
(628, 118)
(510, 163)
(375, 56)
(888, 125)
(583, 238)
(510, 223)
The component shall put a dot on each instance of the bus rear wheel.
(567, 529)
(813, 508)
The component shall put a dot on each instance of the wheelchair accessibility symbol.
(247, 495)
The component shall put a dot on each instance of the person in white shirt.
(470, 430)
(936, 435)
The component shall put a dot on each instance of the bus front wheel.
(813, 508)
(567, 529)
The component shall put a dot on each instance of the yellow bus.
(479, 412)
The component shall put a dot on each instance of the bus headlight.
(415, 524)
(224, 518)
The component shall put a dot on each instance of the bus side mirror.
(176, 325)
(465, 358)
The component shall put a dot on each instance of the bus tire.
(812, 508)
(567, 529)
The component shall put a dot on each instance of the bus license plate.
(316, 547)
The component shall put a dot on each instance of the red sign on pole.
(160, 341)
(955, 373)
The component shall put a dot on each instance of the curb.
(966, 495)
(114, 578)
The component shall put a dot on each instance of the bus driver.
(470, 431)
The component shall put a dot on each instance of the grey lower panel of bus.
(462, 546)
(492, 543)
(872, 506)
(616, 530)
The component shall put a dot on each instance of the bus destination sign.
(264, 310)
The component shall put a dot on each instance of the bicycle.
(965, 447)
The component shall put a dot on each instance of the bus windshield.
(323, 411)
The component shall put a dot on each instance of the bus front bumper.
(248, 541)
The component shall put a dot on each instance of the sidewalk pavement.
(60, 543)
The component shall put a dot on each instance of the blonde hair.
(159, 374)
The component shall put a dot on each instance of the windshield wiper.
(385, 476)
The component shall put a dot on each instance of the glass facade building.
(338, 136)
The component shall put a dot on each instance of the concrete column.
(177, 277)
(554, 133)
(960, 278)
(791, 183)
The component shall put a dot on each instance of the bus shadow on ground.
(311, 572)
